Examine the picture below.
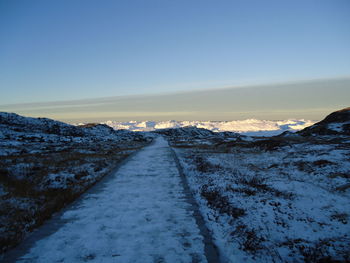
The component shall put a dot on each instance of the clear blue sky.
(61, 50)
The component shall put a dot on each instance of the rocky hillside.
(190, 135)
(45, 164)
(336, 123)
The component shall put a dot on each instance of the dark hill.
(337, 122)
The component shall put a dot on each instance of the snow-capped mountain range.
(247, 127)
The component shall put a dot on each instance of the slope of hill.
(278, 199)
(336, 123)
(45, 164)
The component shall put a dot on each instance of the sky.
(311, 100)
(73, 50)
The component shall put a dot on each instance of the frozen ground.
(279, 206)
(278, 199)
(46, 164)
(140, 216)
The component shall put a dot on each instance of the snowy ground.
(288, 204)
(277, 199)
(46, 164)
(140, 216)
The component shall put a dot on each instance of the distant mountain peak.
(247, 127)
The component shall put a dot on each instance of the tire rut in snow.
(211, 251)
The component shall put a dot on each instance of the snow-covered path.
(141, 215)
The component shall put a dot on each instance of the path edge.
(15, 254)
(210, 249)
